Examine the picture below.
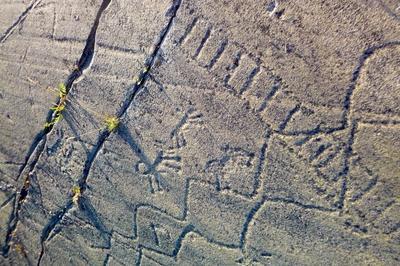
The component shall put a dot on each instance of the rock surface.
(253, 132)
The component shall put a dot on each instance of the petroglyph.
(249, 132)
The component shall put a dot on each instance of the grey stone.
(248, 132)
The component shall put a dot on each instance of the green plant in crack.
(76, 194)
(59, 107)
(62, 90)
(112, 123)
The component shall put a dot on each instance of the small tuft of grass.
(112, 123)
(62, 90)
(56, 119)
(58, 108)
(76, 194)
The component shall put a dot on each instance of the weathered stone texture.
(254, 132)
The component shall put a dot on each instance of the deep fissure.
(104, 134)
(38, 145)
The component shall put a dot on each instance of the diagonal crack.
(20, 20)
(143, 76)
(10, 198)
(19, 199)
(37, 147)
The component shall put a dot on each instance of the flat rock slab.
(247, 132)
